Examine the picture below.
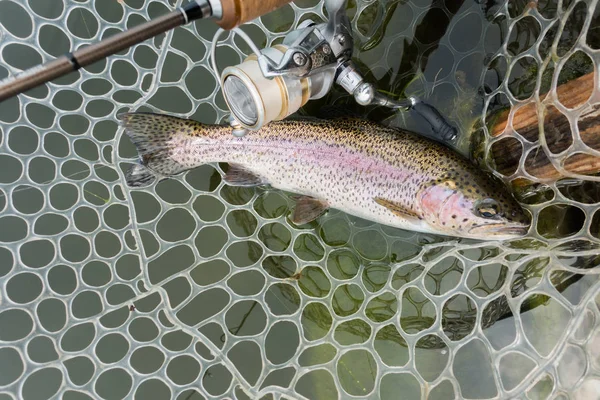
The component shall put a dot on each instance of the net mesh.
(195, 289)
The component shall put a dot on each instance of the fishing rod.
(228, 15)
(272, 83)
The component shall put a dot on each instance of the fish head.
(478, 208)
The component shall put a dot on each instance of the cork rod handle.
(237, 12)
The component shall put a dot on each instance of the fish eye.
(487, 208)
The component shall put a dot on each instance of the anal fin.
(308, 209)
(237, 175)
(397, 209)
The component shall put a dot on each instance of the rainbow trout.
(362, 168)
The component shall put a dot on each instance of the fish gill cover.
(196, 289)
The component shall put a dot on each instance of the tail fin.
(140, 176)
(156, 137)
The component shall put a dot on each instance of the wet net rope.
(195, 289)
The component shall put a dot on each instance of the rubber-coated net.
(194, 289)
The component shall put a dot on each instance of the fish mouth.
(500, 230)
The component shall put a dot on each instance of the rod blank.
(87, 55)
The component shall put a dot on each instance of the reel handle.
(237, 12)
(437, 121)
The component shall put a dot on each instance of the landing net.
(195, 289)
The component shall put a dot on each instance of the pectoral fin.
(237, 175)
(397, 209)
(308, 209)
